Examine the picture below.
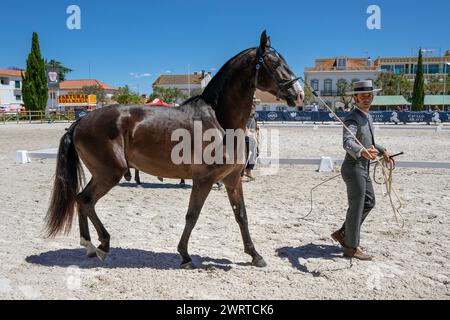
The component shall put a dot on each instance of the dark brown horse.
(112, 139)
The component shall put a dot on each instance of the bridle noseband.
(282, 84)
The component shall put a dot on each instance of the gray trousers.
(361, 199)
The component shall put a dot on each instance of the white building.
(11, 88)
(265, 101)
(327, 73)
(188, 84)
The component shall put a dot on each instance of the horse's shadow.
(149, 185)
(123, 258)
(322, 251)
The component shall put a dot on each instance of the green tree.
(126, 96)
(62, 69)
(392, 84)
(447, 84)
(309, 96)
(34, 89)
(435, 86)
(343, 87)
(98, 91)
(419, 87)
(168, 95)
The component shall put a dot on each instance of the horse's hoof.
(101, 254)
(187, 265)
(91, 250)
(91, 253)
(259, 262)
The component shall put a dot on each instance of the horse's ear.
(265, 42)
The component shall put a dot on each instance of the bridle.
(281, 83)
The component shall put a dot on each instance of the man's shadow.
(123, 258)
(321, 251)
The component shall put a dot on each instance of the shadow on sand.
(320, 251)
(123, 258)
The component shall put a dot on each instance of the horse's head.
(274, 75)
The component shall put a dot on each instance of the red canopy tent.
(157, 103)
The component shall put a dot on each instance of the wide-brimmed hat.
(365, 86)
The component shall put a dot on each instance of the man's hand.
(370, 154)
(387, 158)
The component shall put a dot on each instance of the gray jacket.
(362, 127)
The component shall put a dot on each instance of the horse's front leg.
(233, 184)
(200, 191)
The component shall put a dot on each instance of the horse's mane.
(214, 88)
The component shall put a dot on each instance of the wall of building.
(8, 91)
(332, 97)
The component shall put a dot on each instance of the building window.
(315, 84)
(433, 68)
(17, 84)
(386, 68)
(399, 69)
(18, 97)
(341, 63)
(327, 88)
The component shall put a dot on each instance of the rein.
(380, 164)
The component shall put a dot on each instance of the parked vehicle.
(12, 109)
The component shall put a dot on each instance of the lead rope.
(379, 163)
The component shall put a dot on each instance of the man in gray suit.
(355, 169)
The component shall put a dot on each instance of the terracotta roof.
(266, 97)
(11, 73)
(178, 79)
(331, 64)
(79, 84)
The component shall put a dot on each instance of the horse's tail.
(68, 179)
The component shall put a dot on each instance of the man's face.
(364, 100)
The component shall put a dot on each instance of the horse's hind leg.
(87, 199)
(233, 185)
(85, 238)
(200, 191)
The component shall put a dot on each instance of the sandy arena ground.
(303, 263)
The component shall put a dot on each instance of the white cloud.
(139, 75)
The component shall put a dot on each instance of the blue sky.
(119, 38)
